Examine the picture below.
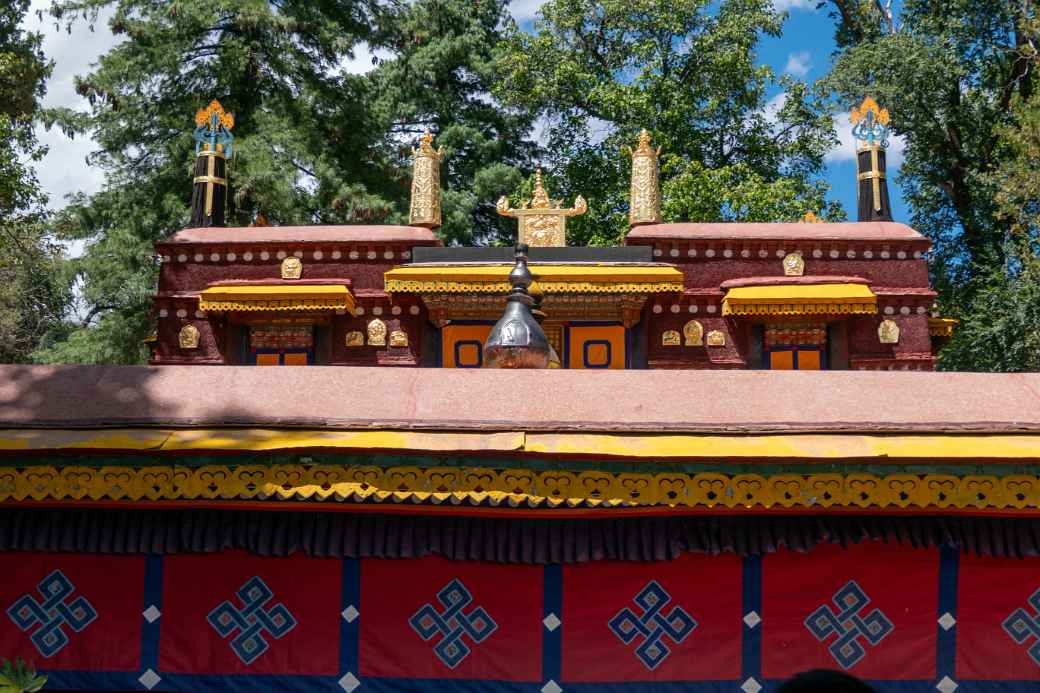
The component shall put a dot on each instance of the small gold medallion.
(693, 333)
(670, 338)
(377, 333)
(292, 268)
(188, 337)
(717, 338)
(398, 338)
(794, 265)
(355, 338)
(888, 332)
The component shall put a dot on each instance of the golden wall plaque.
(188, 337)
(292, 268)
(716, 338)
(794, 265)
(693, 333)
(398, 338)
(645, 192)
(670, 338)
(888, 332)
(543, 222)
(355, 339)
(377, 333)
(425, 209)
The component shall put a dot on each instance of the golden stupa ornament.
(543, 222)
(426, 184)
(645, 195)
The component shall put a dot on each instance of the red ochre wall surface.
(907, 619)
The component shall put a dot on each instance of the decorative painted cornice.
(478, 486)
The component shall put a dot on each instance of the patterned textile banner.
(905, 619)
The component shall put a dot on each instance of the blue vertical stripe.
(946, 650)
(552, 641)
(751, 642)
(153, 588)
(349, 632)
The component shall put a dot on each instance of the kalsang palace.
(543, 470)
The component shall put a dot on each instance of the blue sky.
(803, 50)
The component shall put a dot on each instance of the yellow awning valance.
(552, 279)
(941, 327)
(253, 297)
(800, 299)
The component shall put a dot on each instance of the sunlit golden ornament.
(888, 332)
(794, 265)
(188, 337)
(398, 338)
(425, 208)
(542, 221)
(377, 333)
(670, 338)
(645, 192)
(716, 338)
(355, 339)
(693, 333)
(292, 268)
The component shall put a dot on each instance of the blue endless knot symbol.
(653, 625)
(52, 613)
(1022, 625)
(452, 624)
(252, 620)
(849, 625)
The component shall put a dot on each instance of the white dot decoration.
(396, 310)
(692, 308)
(360, 310)
(199, 314)
(745, 253)
(868, 254)
(214, 257)
(889, 310)
(388, 255)
(905, 310)
(901, 255)
(264, 255)
(834, 254)
(354, 255)
(692, 252)
(198, 257)
(280, 255)
(921, 310)
(763, 253)
(414, 310)
(657, 308)
(712, 308)
(850, 254)
(181, 313)
(318, 255)
(163, 313)
(336, 255)
(917, 254)
(817, 253)
(182, 258)
(674, 308)
(884, 254)
(377, 310)
(710, 252)
(371, 255)
(674, 252)
(231, 257)
(341, 311)
(727, 253)
(781, 252)
(298, 253)
(657, 252)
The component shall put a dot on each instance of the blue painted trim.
(350, 633)
(552, 641)
(946, 640)
(480, 353)
(565, 357)
(585, 353)
(751, 638)
(150, 632)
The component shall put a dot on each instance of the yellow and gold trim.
(277, 297)
(800, 299)
(548, 279)
(941, 327)
(520, 487)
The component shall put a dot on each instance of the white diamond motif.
(151, 614)
(752, 619)
(947, 621)
(947, 685)
(350, 613)
(751, 685)
(551, 687)
(149, 679)
(551, 622)
(349, 682)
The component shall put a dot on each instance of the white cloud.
(784, 5)
(774, 105)
(845, 150)
(365, 59)
(798, 63)
(525, 10)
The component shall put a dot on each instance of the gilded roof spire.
(425, 209)
(644, 205)
(542, 220)
(213, 142)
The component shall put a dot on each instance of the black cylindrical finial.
(213, 142)
(517, 340)
(870, 128)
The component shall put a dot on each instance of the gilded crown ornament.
(645, 194)
(425, 209)
(542, 220)
(870, 124)
(213, 146)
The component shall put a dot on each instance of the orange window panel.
(781, 360)
(809, 360)
(297, 359)
(596, 346)
(462, 346)
(267, 360)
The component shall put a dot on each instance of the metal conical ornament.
(517, 340)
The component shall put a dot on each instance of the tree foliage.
(597, 71)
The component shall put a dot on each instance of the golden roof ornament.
(811, 218)
(542, 220)
(645, 193)
(213, 147)
(425, 209)
(870, 128)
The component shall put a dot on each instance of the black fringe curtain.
(503, 540)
